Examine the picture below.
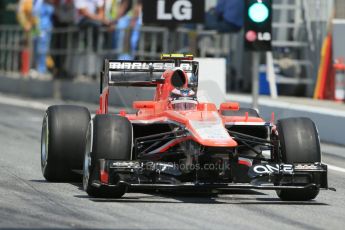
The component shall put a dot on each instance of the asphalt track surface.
(27, 201)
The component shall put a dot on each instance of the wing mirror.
(230, 106)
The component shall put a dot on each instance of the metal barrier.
(10, 48)
(80, 52)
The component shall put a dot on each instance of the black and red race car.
(176, 142)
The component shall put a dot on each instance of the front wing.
(160, 175)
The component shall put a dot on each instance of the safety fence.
(11, 39)
(80, 52)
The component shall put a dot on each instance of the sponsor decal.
(180, 10)
(273, 168)
(146, 66)
(307, 167)
(264, 36)
(172, 12)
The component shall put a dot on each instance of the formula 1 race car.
(176, 142)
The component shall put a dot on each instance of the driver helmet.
(183, 99)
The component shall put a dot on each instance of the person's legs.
(135, 36)
(59, 42)
(42, 50)
(87, 24)
(35, 54)
(119, 33)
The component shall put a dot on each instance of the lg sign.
(252, 36)
(181, 10)
(173, 11)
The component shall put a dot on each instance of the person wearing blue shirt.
(227, 16)
(43, 10)
(128, 17)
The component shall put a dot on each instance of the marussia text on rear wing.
(143, 73)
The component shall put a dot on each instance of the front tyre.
(108, 137)
(299, 143)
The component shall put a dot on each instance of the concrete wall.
(74, 91)
(329, 121)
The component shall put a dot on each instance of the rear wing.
(144, 73)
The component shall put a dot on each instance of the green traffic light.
(258, 12)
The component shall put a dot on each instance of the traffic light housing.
(258, 25)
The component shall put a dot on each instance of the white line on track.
(23, 103)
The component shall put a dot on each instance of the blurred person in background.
(136, 23)
(90, 15)
(226, 17)
(116, 10)
(64, 17)
(91, 19)
(35, 16)
(43, 10)
(25, 16)
(28, 22)
(126, 18)
(64, 13)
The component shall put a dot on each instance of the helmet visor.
(179, 105)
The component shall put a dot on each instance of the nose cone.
(211, 133)
(206, 127)
(209, 130)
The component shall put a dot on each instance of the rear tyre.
(111, 138)
(63, 142)
(299, 143)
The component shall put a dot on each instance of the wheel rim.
(87, 161)
(44, 144)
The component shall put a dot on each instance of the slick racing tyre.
(240, 112)
(299, 143)
(63, 142)
(108, 137)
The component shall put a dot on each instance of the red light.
(251, 36)
(104, 177)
